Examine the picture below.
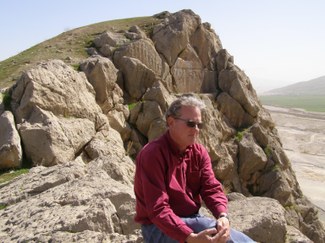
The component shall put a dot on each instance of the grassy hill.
(69, 46)
(306, 88)
(308, 103)
(308, 95)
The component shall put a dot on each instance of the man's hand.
(208, 236)
(223, 224)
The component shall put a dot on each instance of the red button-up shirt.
(169, 185)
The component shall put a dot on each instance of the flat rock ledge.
(77, 202)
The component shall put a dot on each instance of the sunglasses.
(191, 123)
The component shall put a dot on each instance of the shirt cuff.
(185, 231)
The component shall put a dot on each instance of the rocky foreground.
(303, 136)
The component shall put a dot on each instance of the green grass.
(6, 99)
(309, 103)
(268, 151)
(9, 175)
(70, 46)
(132, 105)
(240, 134)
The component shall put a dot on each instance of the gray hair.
(185, 100)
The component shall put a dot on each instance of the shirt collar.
(174, 147)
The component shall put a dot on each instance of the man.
(173, 173)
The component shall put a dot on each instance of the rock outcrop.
(81, 129)
(10, 144)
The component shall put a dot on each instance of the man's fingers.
(221, 236)
(222, 231)
(210, 231)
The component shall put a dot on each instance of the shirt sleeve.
(211, 189)
(156, 200)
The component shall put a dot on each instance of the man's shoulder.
(199, 150)
(154, 145)
(198, 147)
(152, 153)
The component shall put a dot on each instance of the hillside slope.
(311, 87)
(70, 46)
(307, 95)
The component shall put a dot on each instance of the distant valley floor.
(303, 137)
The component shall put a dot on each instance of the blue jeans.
(152, 234)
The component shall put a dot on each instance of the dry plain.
(303, 138)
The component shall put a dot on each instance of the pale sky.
(276, 42)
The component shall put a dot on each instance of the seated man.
(173, 173)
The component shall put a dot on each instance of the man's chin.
(193, 140)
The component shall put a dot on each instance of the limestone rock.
(237, 85)
(67, 198)
(224, 60)
(150, 112)
(102, 74)
(109, 41)
(159, 94)
(172, 36)
(56, 112)
(252, 157)
(54, 86)
(55, 140)
(10, 148)
(142, 66)
(294, 235)
(234, 112)
(263, 219)
(138, 78)
(121, 170)
(144, 51)
(188, 71)
(207, 44)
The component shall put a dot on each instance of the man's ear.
(170, 121)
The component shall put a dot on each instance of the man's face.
(180, 128)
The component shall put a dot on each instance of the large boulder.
(67, 201)
(172, 36)
(102, 75)
(251, 157)
(55, 111)
(263, 219)
(188, 71)
(56, 87)
(238, 86)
